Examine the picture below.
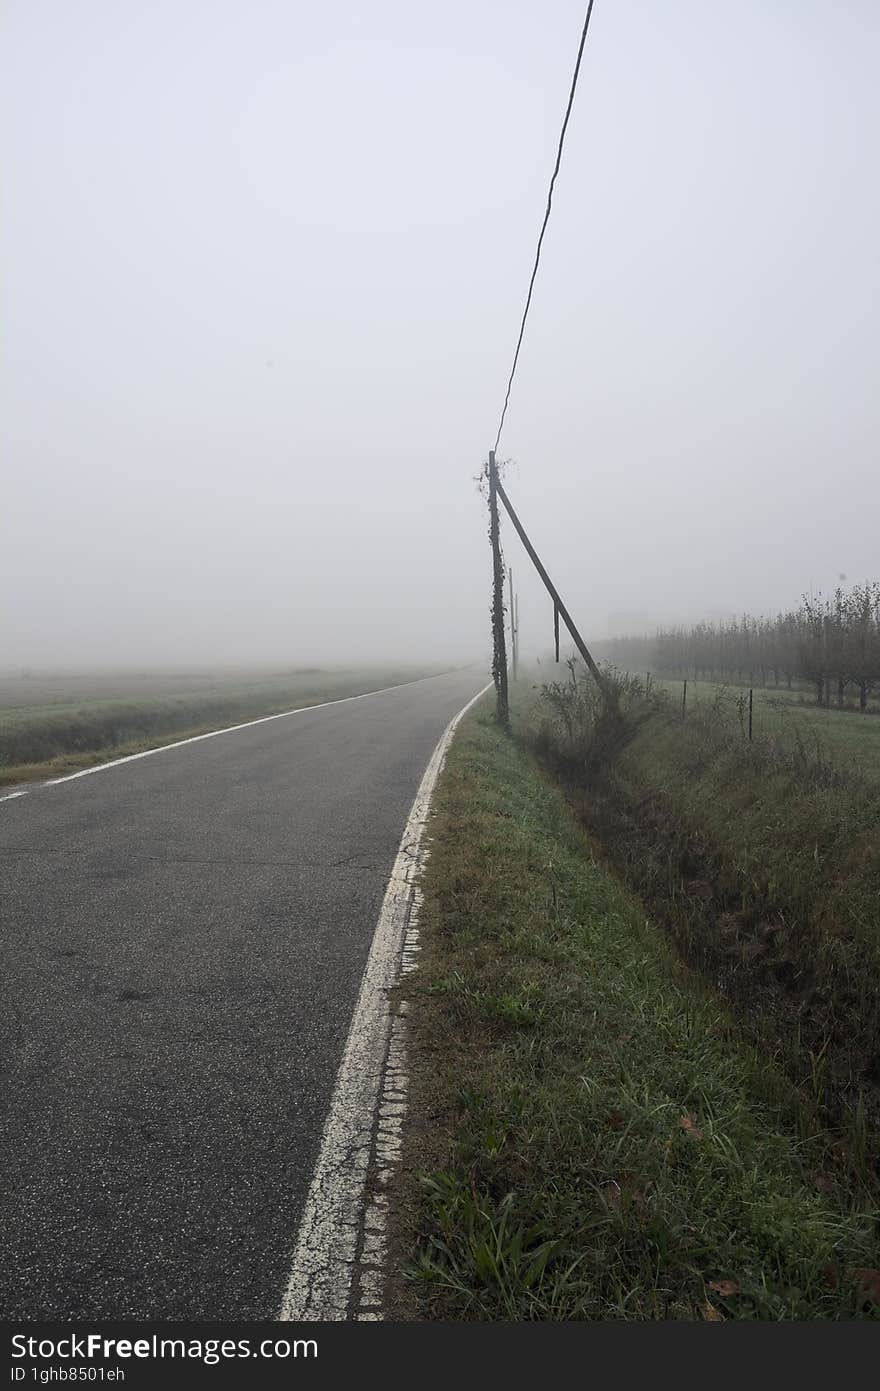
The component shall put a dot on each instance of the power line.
(522, 327)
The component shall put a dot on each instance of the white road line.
(322, 1269)
(215, 733)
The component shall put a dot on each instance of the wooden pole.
(751, 702)
(499, 647)
(556, 628)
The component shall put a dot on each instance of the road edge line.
(323, 1266)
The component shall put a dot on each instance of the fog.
(263, 267)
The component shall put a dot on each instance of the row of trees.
(832, 644)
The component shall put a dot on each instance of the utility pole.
(499, 647)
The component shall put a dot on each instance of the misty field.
(56, 723)
(847, 738)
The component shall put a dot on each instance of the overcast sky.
(262, 271)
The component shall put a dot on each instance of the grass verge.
(588, 1135)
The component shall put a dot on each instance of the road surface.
(183, 938)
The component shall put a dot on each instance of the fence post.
(556, 628)
(751, 699)
(684, 696)
(499, 648)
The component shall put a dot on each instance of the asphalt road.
(183, 938)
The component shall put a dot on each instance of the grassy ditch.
(49, 739)
(761, 861)
(589, 1136)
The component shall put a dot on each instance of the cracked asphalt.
(183, 939)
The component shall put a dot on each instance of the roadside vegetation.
(643, 1026)
(51, 735)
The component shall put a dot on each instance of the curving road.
(183, 938)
